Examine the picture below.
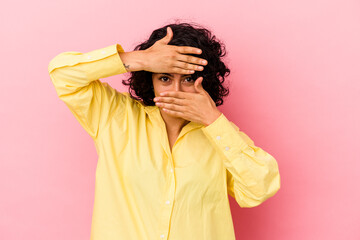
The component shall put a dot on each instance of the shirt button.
(167, 202)
(218, 137)
(227, 148)
(88, 57)
(103, 52)
(162, 235)
(171, 170)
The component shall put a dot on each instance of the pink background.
(294, 90)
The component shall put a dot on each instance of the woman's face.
(164, 82)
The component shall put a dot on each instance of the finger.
(191, 59)
(187, 66)
(178, 94)
(188, 50)
(174, 113)
(181, 114)
(173, 100)
(178, 114)
(172, 107)
(179, 70)
(198, 85)
(168, 36)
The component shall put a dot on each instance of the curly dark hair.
(185, 34)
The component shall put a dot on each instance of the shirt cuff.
(226, 137)
(103, 62)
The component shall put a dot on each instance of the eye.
(190, 78)
(161, 78)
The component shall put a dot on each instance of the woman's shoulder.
(133, 101)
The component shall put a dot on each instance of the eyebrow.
(168, 74)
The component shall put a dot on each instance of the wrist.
(212, 117)
(143, 59)
(133, 61)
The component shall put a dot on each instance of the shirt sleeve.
(252, 174)
(76, 75)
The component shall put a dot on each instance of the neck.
(173, 124)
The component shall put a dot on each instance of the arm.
(76, 77)
(252, 174)
(133, 61)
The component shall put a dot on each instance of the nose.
(177, 85)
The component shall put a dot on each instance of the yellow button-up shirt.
(143, 190)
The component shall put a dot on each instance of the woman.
(167, 164)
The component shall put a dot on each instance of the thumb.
(168, 37)
(198, 85)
